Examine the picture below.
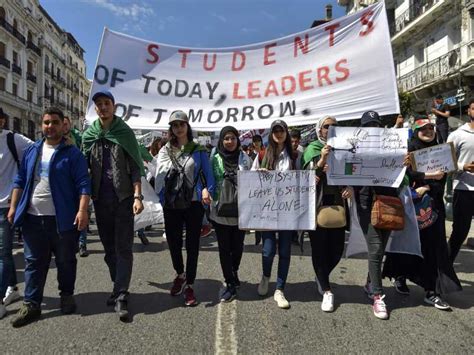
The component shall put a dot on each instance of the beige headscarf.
(319, 126)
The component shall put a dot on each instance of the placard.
(277, 200)
(438, 157)
(367, 156)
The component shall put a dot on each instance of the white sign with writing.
(439, 157)
(277, 200)
(367, 156)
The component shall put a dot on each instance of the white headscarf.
(319, 126)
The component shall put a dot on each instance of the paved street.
(161, 324)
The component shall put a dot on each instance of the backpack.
(12, 147)
(178, 189)
(227, 205)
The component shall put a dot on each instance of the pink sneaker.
(189, 298)
(379, 307)
(206, 230)
(178, 285)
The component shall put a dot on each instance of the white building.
(432, 42)
(41, 65)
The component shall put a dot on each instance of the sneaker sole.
(229, 300)
(180, 291)
(383, 317)
(443, 308)
(7, 302)
(191, 304)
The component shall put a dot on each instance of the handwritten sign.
(367, 156)
(439, 157)
(277, 200)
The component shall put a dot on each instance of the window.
(15, 89)
(2, 50)
(16, 124)
(29, 95)
(16, 58)
(2, 14)
(2, 83)
(31, 130)
(46, 61)
(30, 67)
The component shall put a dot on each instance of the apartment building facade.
(433, 48)
(41, 65)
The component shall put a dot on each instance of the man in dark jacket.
(50, 197)
(116, 168)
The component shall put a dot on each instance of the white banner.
(367, 156)
(277, 200)
(342, 68)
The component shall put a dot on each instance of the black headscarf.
(231, 159)
(416, 143)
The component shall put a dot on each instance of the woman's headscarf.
(231, 159)
(416, 143)
(314, 148)
(319, 126)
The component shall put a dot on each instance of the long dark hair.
(172, 137)
(271, 152)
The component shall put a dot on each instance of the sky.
(193, 23)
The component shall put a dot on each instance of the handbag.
(227, 205)
(331, 216)
(425, 214)
(387, 213)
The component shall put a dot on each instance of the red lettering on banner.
(242, 61)
(267, 54)
(290, 90)
(331, 29)
(205, 62)
(235, 94)
(323, 74)
(155, 55)
(365, 20)
(340, 69)
(303, 80)
(253, 90)
(185, 53)
(298, 44)
(271, 89)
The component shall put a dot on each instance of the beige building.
(41, 65)
(433, 48)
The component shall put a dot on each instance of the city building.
(41, 65)
(433, 49)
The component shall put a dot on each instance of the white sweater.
(463, 140)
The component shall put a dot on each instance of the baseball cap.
(279, 123)
(102, 94)
(421, 123)
(370, 116)
(178, 116)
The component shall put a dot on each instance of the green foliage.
(406, 102)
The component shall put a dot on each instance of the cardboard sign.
(441, 157)
(277, 200)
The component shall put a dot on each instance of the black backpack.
(12, 147)
(178, 189)
(227, 205)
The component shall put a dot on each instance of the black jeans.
(463, 211)
(327, 246)
(174, 222)
(442, 132)
(115, 226)
(230, 240)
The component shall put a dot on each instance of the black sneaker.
(434, 300)
(121, 307)
(111, 300)
(236, 280)
(27, 313)
(83, 251)
(68, 305)
(143, 238)
(228, 294)
(400, 284)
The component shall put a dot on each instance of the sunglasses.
(326, 126)
(427, 128)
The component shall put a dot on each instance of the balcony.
(31, 77)
(47, 71)
(13, 31)
(5, 62)
(34, 48)
(16, 69)
(419, 14)
(432, 71)
(60, 80)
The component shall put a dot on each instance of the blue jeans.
(83, 237)
(284, 255)
(7, 264)
(41, 239)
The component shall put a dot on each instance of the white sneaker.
(320, 289)
(3, 310)
(11, 296)
(328, 302)
(263, 286)
(379, 307)
(280, 299)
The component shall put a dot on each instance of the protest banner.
(367, 156)
(438, 157)
(277, 200)
(333, 69)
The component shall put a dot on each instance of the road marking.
(226, 339)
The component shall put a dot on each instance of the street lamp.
(460, 96)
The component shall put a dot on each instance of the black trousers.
(174, 222)
(463, 211)
(442, 132)
(327, 245)
(115, 226)
(230, 240)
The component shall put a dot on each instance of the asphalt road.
(251, 324)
